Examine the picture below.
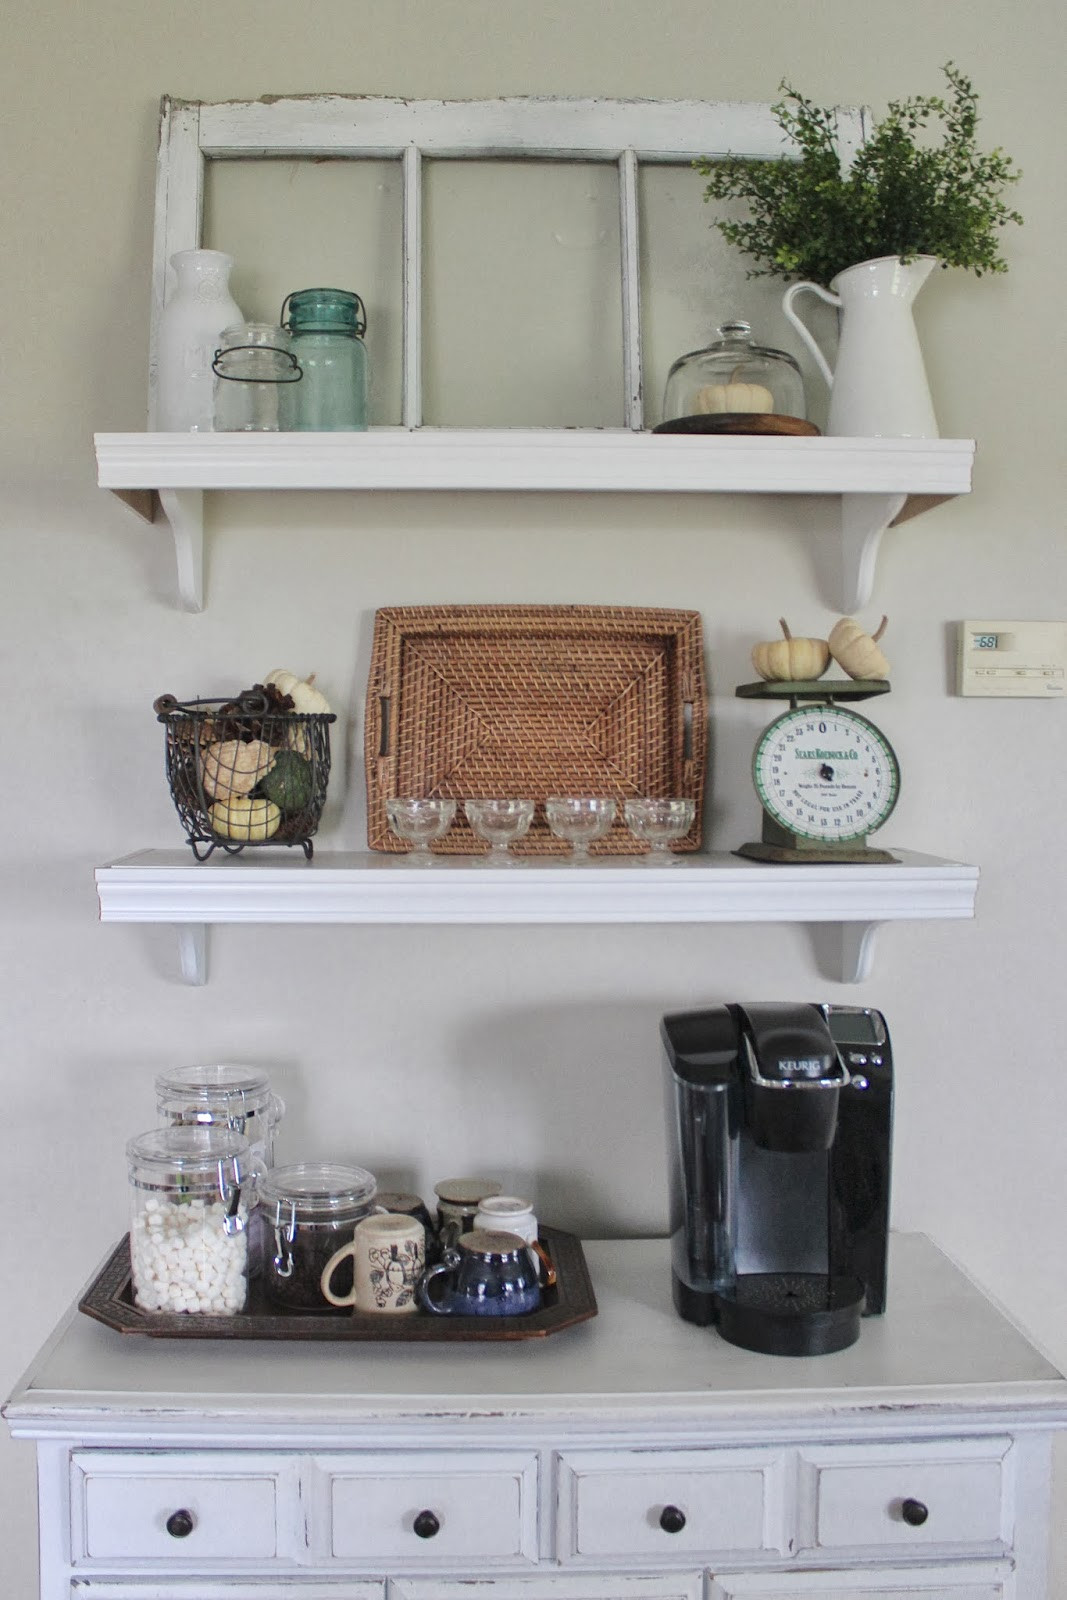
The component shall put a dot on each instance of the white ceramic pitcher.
(878, 389)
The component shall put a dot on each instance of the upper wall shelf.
(878, 482)
(847, 901)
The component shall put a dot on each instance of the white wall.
(409, 1051)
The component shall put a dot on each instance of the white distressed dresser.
(632, 1457)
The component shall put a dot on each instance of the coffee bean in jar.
(307, 1211)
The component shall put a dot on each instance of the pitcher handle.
(787, 306)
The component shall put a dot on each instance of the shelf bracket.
(192, 951)
(864, 518)
(844, 951)
(183, 509)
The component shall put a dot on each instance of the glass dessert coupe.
(579, 819)
(419, 823)
(499, 823)
(658, 823)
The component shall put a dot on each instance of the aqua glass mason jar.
(326, 328)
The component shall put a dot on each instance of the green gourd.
(289, 783)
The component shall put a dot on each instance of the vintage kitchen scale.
(826, 777)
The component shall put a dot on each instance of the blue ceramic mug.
(486, 1274)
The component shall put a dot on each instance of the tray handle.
(382, 730)
(687, 704)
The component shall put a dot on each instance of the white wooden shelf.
(169, 886)
(878, 482)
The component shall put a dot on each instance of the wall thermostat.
(1012, 658)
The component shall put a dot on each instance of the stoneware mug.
(511, 1213)
(458, 1200)
(485, 1274)
(388, 1255)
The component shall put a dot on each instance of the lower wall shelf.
(168, 886)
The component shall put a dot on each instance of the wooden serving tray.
(523, 702)
(758, 423)
(109, 1299)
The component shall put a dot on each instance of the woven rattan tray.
(523, 702)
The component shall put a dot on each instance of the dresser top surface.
(942, 1344)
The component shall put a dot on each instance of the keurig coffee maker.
(779, 1123)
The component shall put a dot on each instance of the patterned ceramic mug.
(388, 1255)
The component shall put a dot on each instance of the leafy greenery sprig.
(814, 216)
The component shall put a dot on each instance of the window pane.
(522, 306)
(692, 280)
(316, 224)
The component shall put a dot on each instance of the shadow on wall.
(573, 1082)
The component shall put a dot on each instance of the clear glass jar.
(731, 383)
(326, 328)
(191, 1191)
(226, 1096)
(252, 365)
(306, 1212)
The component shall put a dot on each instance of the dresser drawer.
(430, 1508)
(669, 1503)
(186, 1588)
(190, 1508)
(908, 1496)
(964, 1581)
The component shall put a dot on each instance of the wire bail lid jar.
(307, 1211)
(191, 1191)
(228, 1096)
(254, 360)
(735, 386)
(326, 328)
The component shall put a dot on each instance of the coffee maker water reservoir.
(779, 1126)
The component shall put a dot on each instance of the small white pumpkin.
(232, 767)
(789, 660)
(717, 398)
(240, 817)
(857, 652)
(307, 700)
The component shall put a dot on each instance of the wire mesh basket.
(243, 773)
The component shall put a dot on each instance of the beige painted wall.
(409, 1051)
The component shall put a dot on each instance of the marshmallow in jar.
(190, 1193)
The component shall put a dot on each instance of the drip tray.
(791, 1313)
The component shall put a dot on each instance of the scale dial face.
(826, 774)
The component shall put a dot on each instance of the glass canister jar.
(191, 1191)
(227, 1096)
(307, 1211)
(253, 363)
(734, 386)
(326, 328)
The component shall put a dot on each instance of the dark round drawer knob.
(671, 1519)
(180, 1524)
(914, 1513)
(426, 1525)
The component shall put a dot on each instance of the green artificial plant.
(902, 195)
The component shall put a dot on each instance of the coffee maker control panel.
(860, 1037)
